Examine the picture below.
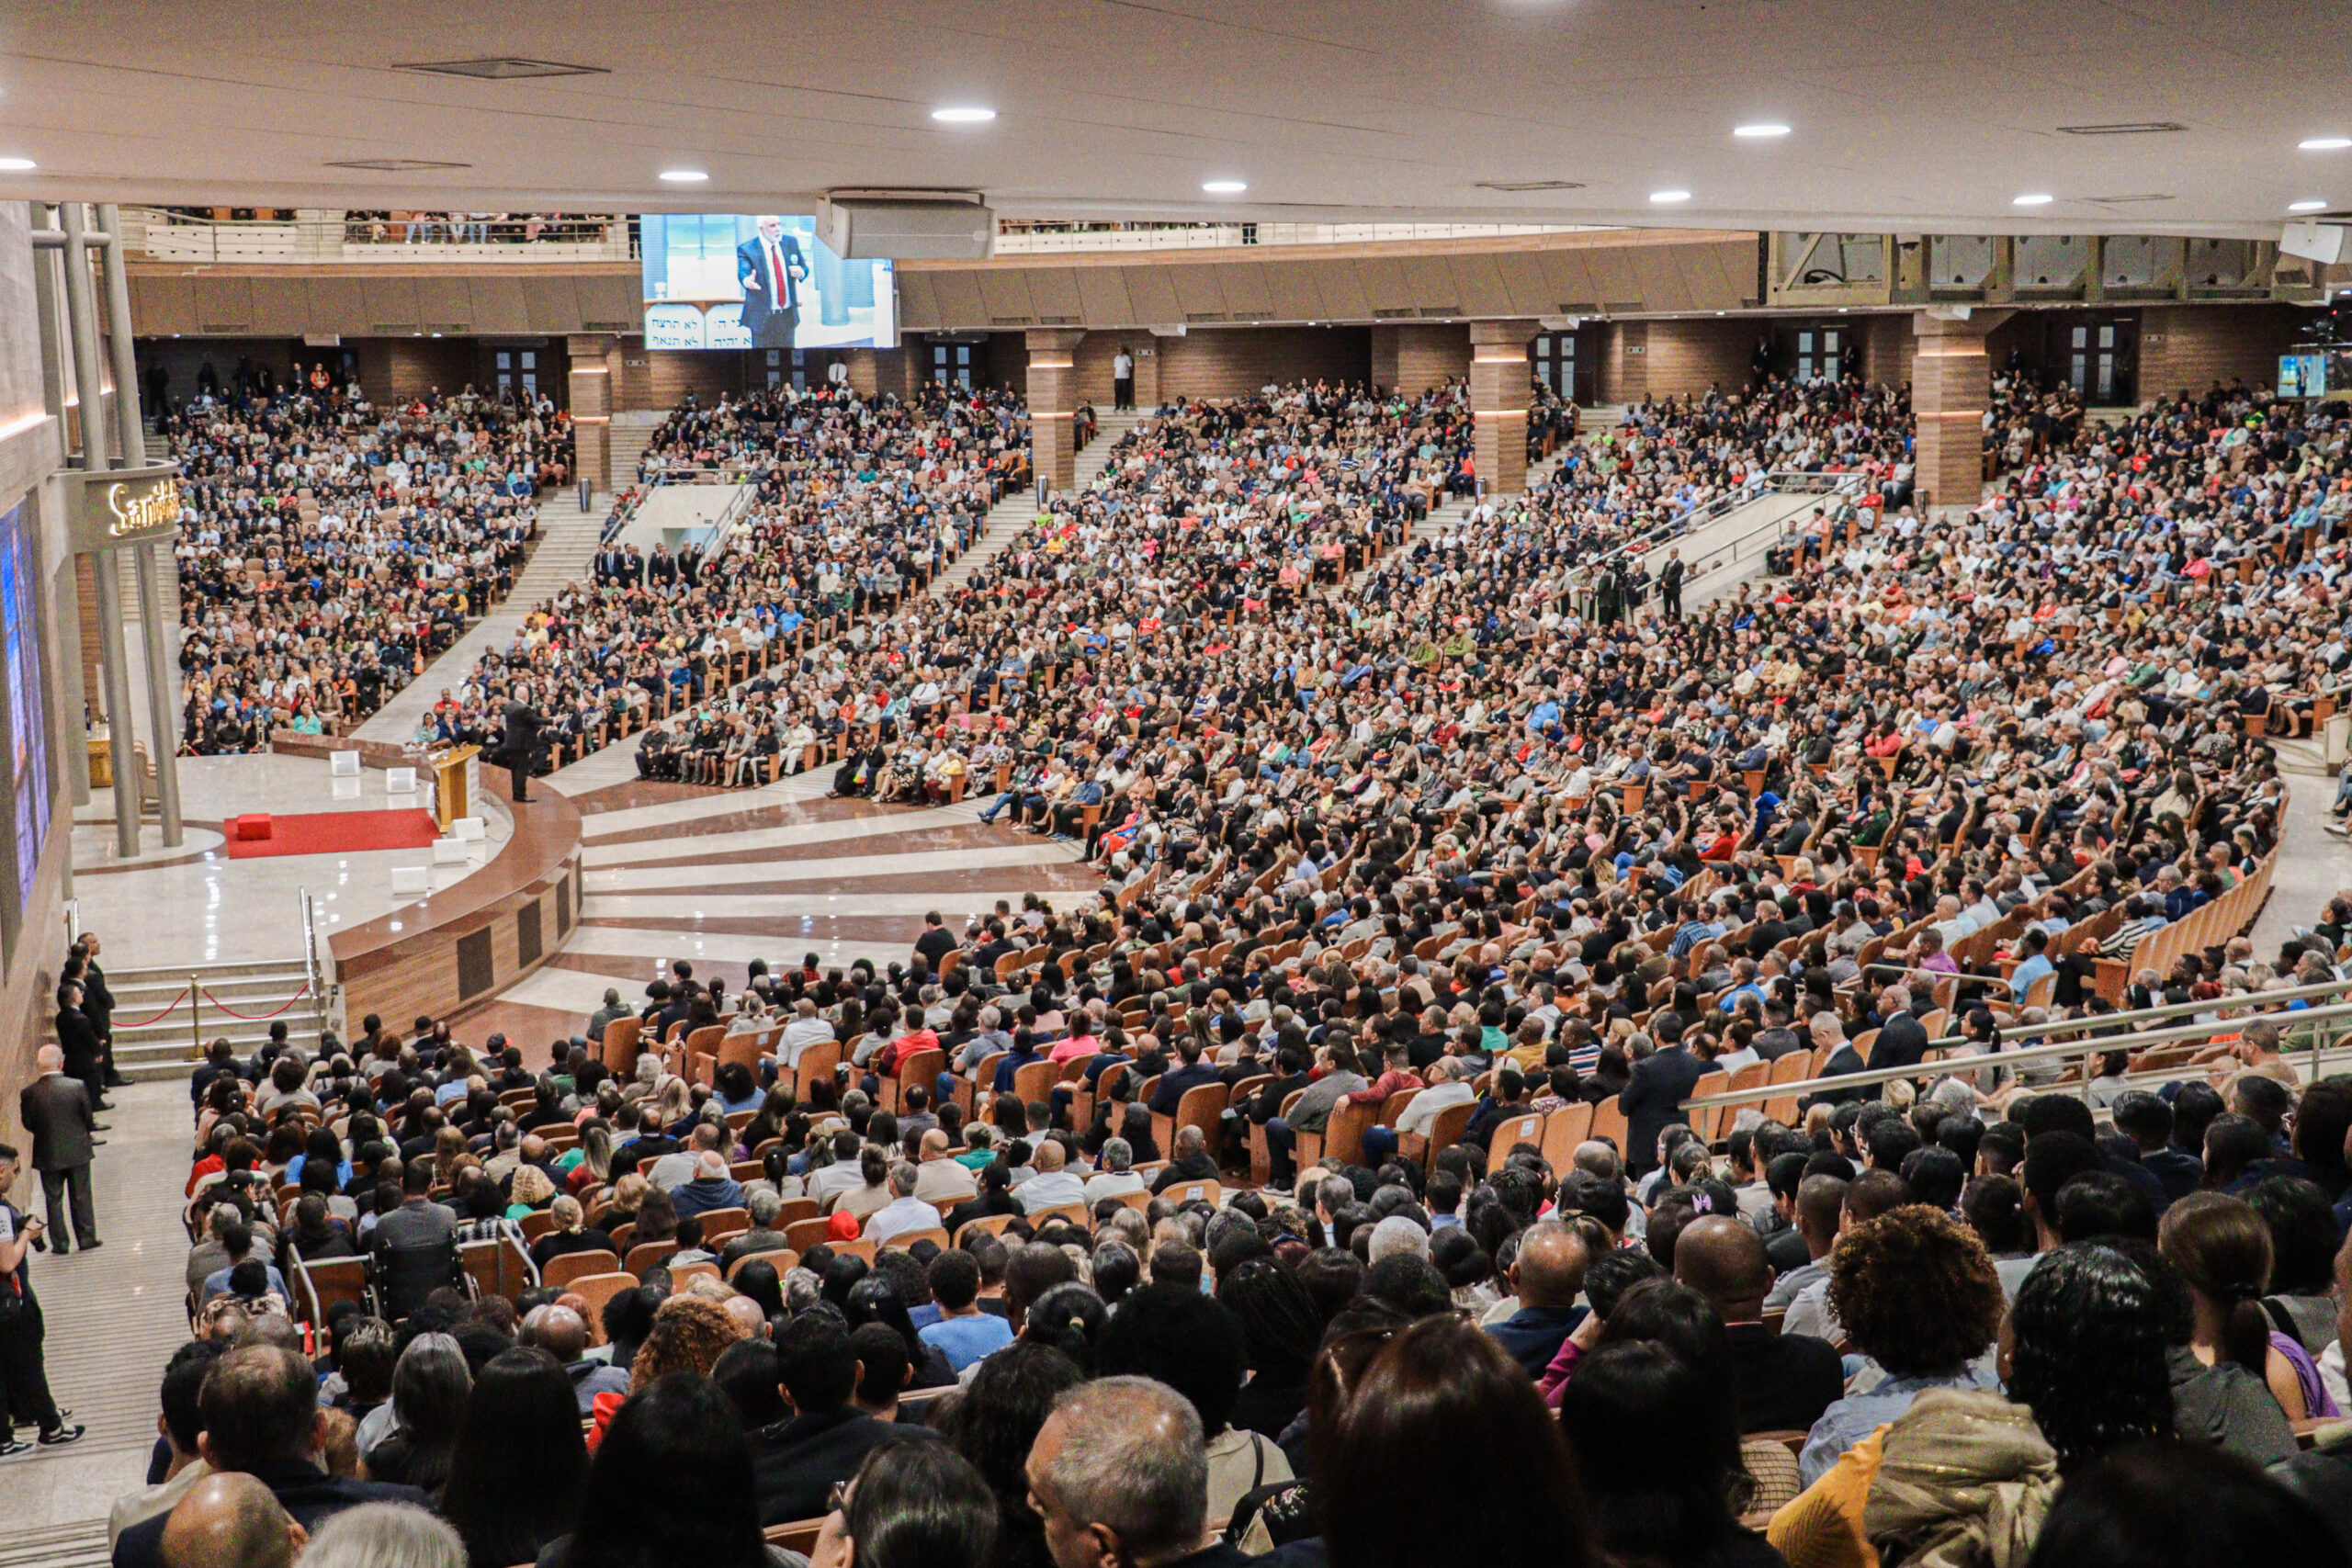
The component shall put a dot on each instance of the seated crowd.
(1904, 1326)
(1323, 1191)
(329, 548)
(857, 500)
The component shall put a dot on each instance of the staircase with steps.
(2305, 756)
(1015, 511)
(167, 1046)
(629, 435)
(565, 553)
(1439, 519)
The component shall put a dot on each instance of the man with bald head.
(940, 1181)
(230, 1521)
(563, 1334)
(1784, 1383)
(1548, 1276)
(260, 1417)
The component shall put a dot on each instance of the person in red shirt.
(1396, 1078)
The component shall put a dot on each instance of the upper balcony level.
(1027, 237)
(297, 235)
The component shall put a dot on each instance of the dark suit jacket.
(79, 1039)
(1175, 1081)
(304, 1491)
(1785, 1382)
(750, 261)
(1652, 1099)
(797, 1462)
(97, 1001)
(1843, 1060)
(56, 1109)
(1901, 1042)
(524, 723)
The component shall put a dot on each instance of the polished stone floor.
(195, 905)
(114, 1318)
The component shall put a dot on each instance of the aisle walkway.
(2314, 864)
(114, 1319)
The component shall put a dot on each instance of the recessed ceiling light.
(974, 116)
(2312, 206)
(1224, 187)
(2324, 143)
(684, 176)
(1761, 132)
(2032, 199)
(16, 165)
(1668, 198)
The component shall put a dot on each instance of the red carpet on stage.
(337, 832)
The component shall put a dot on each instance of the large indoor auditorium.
(1085, 783)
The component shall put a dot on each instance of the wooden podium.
(456, 781)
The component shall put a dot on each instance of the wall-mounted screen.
(2303, 374)
(28, 697)
(718, 280)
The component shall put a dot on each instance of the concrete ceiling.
(1913, 117)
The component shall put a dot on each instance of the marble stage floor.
(194, 905)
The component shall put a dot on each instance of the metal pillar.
(81, 309)
(163, 710)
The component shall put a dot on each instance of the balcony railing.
(333, 234)
(1015, 237)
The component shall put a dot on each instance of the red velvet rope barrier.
(255, 1017)
(143, 1023)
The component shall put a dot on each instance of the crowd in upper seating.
(855, 501)
(1322, 1192)
(329, 548)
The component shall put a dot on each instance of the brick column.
(592, 367)
(1951, 384)
(1499, 394)
(1053, 395)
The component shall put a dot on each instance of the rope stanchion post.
(196, 1015)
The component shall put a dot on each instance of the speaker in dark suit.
(769, 268)
(55, 1110)
(524, 724)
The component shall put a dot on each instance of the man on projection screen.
(769, 267)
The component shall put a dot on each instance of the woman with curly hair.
(1917, 1292)
(1965, 1475)
(688, 1335)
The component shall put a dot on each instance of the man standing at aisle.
(1669, 585)
(1123, 379)
(24, 1379)
(98, 1003)
(78, 1037)
(56, 1110)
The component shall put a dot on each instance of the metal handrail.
(1778, 481)
(2028, 1057)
